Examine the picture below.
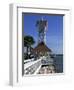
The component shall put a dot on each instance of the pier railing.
(32, 66)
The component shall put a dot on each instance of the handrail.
(33, 66)
(29, 60)
(31, 63)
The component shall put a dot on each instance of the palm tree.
(28, 42)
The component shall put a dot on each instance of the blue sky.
(54, 34)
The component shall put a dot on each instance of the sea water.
(58, 62)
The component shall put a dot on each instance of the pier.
(39, 66)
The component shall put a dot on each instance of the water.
(58, 62)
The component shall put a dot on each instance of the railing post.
(32, 67)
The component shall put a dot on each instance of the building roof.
(41, 47)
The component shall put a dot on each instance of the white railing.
(32, 67)
(29, 60)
